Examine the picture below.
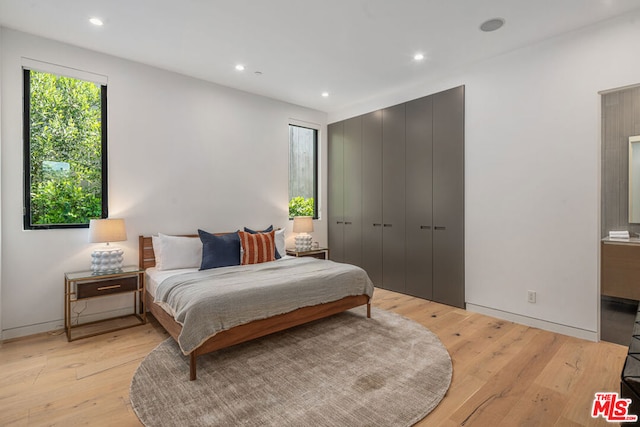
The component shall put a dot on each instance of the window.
(65, 151)
(303, 171)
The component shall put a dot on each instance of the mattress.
(155, 277)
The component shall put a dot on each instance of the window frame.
(316, 134)
(26, 121)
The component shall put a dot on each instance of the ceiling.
(352, 49)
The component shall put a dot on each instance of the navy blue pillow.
(266, 230)
(220, 250)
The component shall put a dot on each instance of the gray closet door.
(335, 179)
(393, 198)
(352, 191)
(372, 196)
(419, 183)
(448, 197)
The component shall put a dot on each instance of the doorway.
(620, 110)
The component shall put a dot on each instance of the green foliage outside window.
(303, 171)
(299, 206)
(65, 150)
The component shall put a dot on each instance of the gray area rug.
(346, 370)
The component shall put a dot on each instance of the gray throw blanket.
(209, 301)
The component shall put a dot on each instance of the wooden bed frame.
(248, 331)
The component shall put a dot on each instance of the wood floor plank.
(498, 352)
(491, 403)
(503, 373)
(599, 371)
(538, 406)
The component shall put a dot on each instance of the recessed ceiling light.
(96, 21)
(325, 94)
(492, 25)
(240, 67)
(418, 57)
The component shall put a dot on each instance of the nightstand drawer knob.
(105, 288)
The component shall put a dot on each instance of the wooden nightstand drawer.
(105, 287)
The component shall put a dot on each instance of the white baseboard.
(536, 323)
(54, 325)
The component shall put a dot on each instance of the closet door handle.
(375, 224)
(339, 222)
(439, 228)
(425, 227)
(348, 223)
(387, 225)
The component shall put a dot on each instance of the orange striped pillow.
(257, 248)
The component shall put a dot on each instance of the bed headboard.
(146, 256)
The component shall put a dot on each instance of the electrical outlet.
(531, 296)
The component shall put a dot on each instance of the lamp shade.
(107, 230)
(302, 224)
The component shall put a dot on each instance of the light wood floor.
(503, 373)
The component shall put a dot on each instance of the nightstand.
(86, 285)
(320, 253)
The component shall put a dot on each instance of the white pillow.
(279, 240)
(176, 251)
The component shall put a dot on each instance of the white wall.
(532, 172)
(183, 154)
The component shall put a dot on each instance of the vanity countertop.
(629, 241)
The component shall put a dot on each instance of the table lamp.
(107, 258)
(303, 225)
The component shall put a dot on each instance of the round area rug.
(345, 370)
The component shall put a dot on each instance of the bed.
(184, 325)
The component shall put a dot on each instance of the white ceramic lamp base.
(107, 259)
(303, 242)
